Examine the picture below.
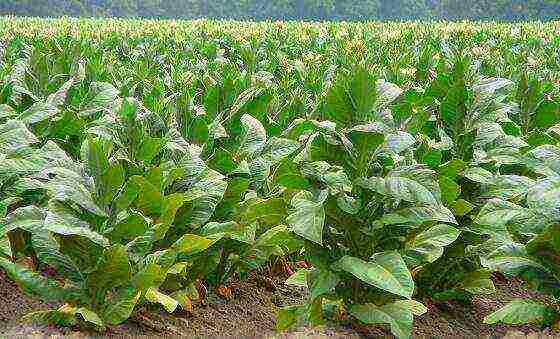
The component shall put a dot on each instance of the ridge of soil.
(252, 313)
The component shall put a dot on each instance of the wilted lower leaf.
(184, 300)
(155, 296)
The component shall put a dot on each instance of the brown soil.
(14, 304)
(252, 313)
(455, 320)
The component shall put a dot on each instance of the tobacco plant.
(371, 215)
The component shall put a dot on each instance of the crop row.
(141, 159)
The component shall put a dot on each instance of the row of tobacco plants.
(143, 159)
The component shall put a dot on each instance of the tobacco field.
(142, 162)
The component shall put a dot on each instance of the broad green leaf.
(547, 114)
(546, 247)
(518, 312)
(400, 142)
(14, 136)
(479, 175)
(278, 149)
(48, 251)
(38, 112)
(209, 191)
(171, 204)
(112, 270)
(308, 217)
(149, 148)
(164, 258)
(68, 186)
(451, 169)
(462, 207)
(508, 187)
(498, 213)
(490, 85)
(127, 195)
(190, 244)
(450, 190)
(291, 316)
(241, 233)
(267, 211)
(279, 236)
(398, 315)
(322, 281)
(428, 246)
(365, 140)
(244, 98)
(28, 218)
(432, 158)
(103, 95)
(386, 93)
(386, 271)
(149, 197)
(110, 183)
(89, 316)
(35, 284)
(363, 88)
(61, 222)
(128, 226)
(287, 318)
(294, 181)
(544, 194)
(348, 204)
(419, 215)
(299, 278)
(401, 188)
(118, 309)
(544, 160)
(510, 259)
(488, 133)
(478, 282)
(150, 275)
(254, 138)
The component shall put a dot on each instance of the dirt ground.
(252, 313)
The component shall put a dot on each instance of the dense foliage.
(292, 9)
(144, 161)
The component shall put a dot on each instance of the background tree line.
(292, 9)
